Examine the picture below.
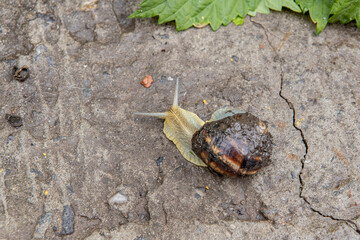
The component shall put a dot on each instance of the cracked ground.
(78, 165)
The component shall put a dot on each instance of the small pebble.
(67, 220)
(235, 58)
(159, 161)
(163, 79)
(118, 198)
(239, 212)
(141, 238)
(224, 206)
(10, 138)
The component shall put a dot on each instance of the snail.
(232, 142)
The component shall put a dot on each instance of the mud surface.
(80, 166)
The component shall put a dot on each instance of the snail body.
(231, 143)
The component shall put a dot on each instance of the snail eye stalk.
(176, 95)
(158, 115)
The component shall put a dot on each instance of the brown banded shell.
(235, 145)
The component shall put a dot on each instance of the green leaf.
(319, 11)
(345, 11)
(199, 13)
(276, 5)
(238, 20)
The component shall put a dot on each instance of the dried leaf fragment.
(89, 5)
(147, 81)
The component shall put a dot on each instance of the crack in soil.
(146, 206)
(277, 57)
(114, 12)
(165, 213)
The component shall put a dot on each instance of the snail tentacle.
(224, 112)
(163, 114)
(176, 95)
(158, 115)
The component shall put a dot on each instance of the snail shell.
(235, 145)
(232, 142)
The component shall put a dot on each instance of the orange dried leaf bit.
(146, 82)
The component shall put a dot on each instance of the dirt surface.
(75, 163)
